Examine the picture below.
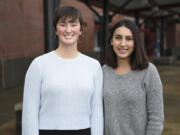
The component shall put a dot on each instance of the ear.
(80, 32)
(111, 42)
(55, 31)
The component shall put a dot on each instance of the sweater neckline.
(120, 75)
(66, 59)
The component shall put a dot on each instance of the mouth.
(68, 36)
(122, 50)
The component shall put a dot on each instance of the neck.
(67, 51)
(123, 66)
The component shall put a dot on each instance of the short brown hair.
(64, 12)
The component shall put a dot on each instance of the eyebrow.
(68, 20)
(121, 35)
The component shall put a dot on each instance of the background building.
(22, 38)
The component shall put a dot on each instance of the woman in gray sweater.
(133, 99)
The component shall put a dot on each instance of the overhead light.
(155, 9)
(165, 13)
(176, 16)
(144, 2)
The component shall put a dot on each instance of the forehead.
(122, 30)
(68, 19)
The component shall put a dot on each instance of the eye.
(62, 24)
(117, 37)
(129, 38)
(73, 24)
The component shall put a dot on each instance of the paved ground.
(170, 76)
(8, 98)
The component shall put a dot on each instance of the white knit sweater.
(63, 94)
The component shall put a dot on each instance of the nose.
(68, 28)
(123, 42)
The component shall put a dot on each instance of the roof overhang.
(153, 9)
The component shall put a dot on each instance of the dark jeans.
(65, 132)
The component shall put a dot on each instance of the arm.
(154, 101)
(31, 100)
(96, 105)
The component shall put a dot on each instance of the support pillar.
(162, 37)
(105, 29)
(49, 33)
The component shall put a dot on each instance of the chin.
(123, 57)
(69, 43)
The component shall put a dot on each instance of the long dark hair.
(138, 58)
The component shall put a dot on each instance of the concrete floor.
(8, 98)
(170, 76)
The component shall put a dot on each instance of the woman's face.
(68, 31)
(123, 42)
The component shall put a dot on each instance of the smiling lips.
(68, 36)
(122, 50)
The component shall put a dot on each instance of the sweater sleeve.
(154, 101)
(31, 100)
(96, 104)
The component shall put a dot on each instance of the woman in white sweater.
(63, 88)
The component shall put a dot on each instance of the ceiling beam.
(162, 7)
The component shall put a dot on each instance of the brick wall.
(173, 34)
(21, 28)
(170, 35)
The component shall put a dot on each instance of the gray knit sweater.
(133, 102)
